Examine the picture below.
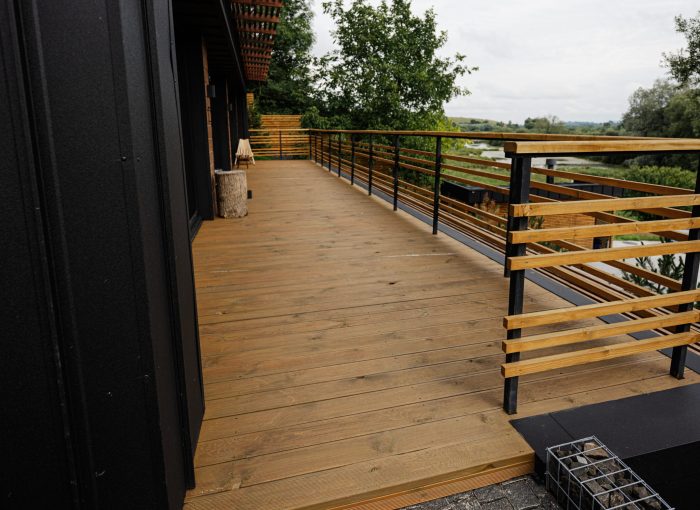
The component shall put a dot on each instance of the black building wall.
(100, 374)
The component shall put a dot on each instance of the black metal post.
(370, 164)
(352, 160)
(436, 187)
(330, 152)
(340, 152)
(551, 165)
(321, 137)
(690, 282)
(395, 173)
(510, 221)
(519, 194)
(280, 138)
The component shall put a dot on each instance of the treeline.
(549, 124)
(385, 72)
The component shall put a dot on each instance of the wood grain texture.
(601, 255)
(532, 319)
(585, 232)
(610, 204)
(545, 363)
(649, 145)
(350, 356)
(572, 336)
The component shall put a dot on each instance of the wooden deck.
(353, 359)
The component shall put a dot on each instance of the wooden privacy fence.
(526, 233)
(280, 143)
(280, 136)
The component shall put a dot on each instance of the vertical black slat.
(330, 152)
(519, 194)
(370, 164)
(340, 152)
(510, 221)
(690, 282)
(280, 140)
(436, 188)
(310, 155)
(395, 172)
(352, 160)
(321, 138)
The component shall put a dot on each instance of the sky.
(579, 60)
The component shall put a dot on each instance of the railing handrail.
(483, 135)
(256, 130)
(590, 147)
(552, 250)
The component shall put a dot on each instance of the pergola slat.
(256, 23)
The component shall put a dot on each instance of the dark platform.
(657, 435)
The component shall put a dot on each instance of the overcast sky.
(576, 59)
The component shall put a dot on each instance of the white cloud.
(577, 59)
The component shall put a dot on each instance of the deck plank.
(349, 355)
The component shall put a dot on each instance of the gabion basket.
(586, 475)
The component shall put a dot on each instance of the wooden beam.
(603, 255)
(611, 204)
(611, 229)
(604, 147)
(249, 16)
(555, 361)
(612, 181)
(572, 336)
(256, 30)
(528, 320)
(265, 3)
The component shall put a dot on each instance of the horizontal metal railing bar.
(479, 135)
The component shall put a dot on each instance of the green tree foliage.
(665, 110)
(666, 176)
(646, 115)
(671, 266)
(289, 87)
(684, 65)
(385, 72)
(549, 124)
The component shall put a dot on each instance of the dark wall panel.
(103, 397)
(32, 422)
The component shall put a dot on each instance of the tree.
(665, 110)
(646, 115)
(684, 65)
(385, 72)
(549, 124)
(289, 86)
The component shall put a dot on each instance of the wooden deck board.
(351, 357)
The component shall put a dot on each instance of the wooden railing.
(280, 143)
(565, 255)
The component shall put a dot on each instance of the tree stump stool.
(231, 193)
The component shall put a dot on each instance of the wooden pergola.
(256, 24)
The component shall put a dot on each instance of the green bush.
(664, 175)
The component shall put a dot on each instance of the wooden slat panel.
(612, 204)
(570, 258)
(555, 361)
(532, 319)
(545, 340)
(589, 231)
(602, 146)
